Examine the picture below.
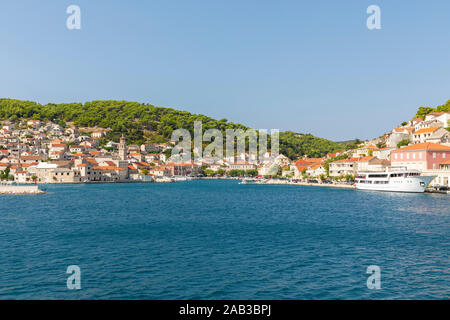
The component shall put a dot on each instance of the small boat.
(182, 178)
(248, 181)
(179, 179)
(394, 179)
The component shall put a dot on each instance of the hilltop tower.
(122, 149)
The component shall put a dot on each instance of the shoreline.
(285, 182)
(326, 185)
(34, 189)
(341, 186)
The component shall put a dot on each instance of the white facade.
(342, 168)
(384, 153)
(442, 177)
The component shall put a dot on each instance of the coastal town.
(44, 152)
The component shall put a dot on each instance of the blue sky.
(306, 66)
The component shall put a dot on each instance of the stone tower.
(122, 149)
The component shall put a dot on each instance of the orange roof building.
(429, 146)
(421, 156)
(426, 130)
(108, 168)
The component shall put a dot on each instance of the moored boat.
(394, 179)
(248, 181)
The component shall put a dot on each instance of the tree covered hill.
(144, 123)
(423, 111)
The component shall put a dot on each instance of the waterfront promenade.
(330, 185)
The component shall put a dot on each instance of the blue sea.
(218, 239)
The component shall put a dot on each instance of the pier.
(15, 189)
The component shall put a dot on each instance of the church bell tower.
(122, 149)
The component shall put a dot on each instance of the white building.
(422, 135)
(383, 153)
(341, 168)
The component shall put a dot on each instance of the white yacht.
(394, 179)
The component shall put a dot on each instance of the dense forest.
(145, 123)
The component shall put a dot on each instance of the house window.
(434, 155)
(407, 156)
(443, 155)
(414, 155)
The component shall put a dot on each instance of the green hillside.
(423, 111)
(145, 123)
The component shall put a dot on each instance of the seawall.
(12, 189)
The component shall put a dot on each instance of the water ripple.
(221, 240)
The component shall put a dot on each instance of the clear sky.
(306, 66)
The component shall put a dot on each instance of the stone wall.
(12, 189)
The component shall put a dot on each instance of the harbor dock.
(286, 182)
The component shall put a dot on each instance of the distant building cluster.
(44, 152)
(421, 144)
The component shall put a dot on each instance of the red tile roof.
(427, 130)
(31, 157)
(145, 164)
(92, 161)
(107, 168)
(346, 160)
(364, 159)
(425, 146)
